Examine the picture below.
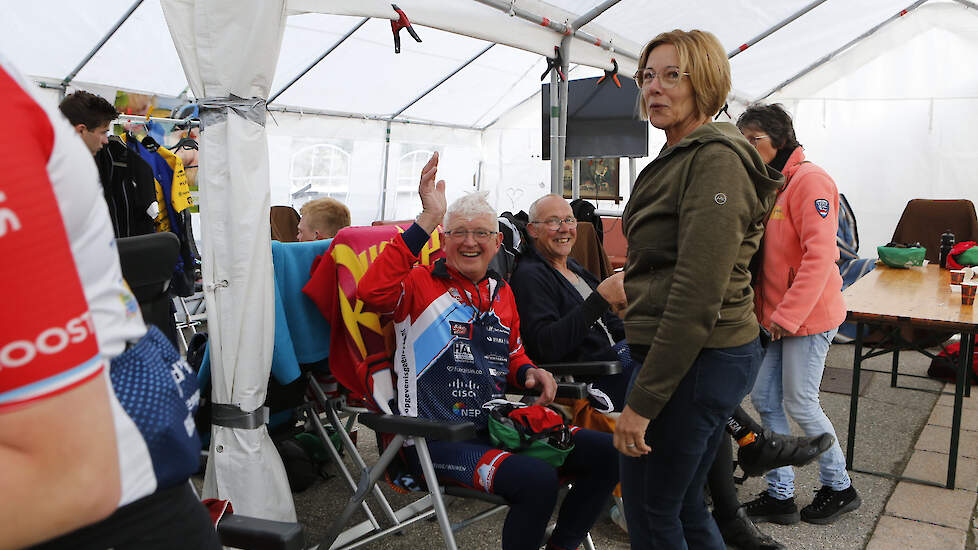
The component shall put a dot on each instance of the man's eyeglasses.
(754, 139)
(554, 223)
(479, 235)
(669, 78)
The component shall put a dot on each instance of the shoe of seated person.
(829, 505)
(773, 450)
(772, 510)
(740, 533)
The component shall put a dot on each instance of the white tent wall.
(346, 159)
(893, 118)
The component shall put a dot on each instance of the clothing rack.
(123, 119)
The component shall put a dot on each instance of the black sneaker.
(773, 450)
(740, 533)
(767, 508)
(829, 505)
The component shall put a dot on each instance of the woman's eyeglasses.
(754, 139)
(669, 78)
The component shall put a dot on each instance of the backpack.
(584, 211)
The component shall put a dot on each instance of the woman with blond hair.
(693, 222)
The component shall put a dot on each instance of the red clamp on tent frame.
(613, 73)
(401, 23)
(553, 64)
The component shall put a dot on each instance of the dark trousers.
(663, 490)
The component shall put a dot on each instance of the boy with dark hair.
(90, 115)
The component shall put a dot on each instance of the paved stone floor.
(899, 431)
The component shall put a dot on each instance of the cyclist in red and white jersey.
(75, 445)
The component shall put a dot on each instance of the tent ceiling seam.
(442, 81)
(844, 47)
(71, 76)
(775, 28)
(321, 57)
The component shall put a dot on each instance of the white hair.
(469, 206)
(536, 204)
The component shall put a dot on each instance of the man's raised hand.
(432, 193)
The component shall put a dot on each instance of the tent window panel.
(409, 166)
(320, 170)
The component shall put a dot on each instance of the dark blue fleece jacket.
(556, 324)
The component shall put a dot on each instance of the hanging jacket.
(129, 189)
(170, 218)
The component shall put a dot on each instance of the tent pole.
(342, 114)
(595, 11)
(556, 168)
(847, 45)
(320, 58)
(566, 30)
(775, 28)
(562, 113)
(101, 43)
(632, 174)
(968, 3)
(387, 158)
(575, 179)
(442, 81)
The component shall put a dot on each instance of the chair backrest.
(355, 334)
(589, 252)
(615, 244)
(924, 220)
(147, 265)
(285, 223)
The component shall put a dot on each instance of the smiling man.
(458, 347)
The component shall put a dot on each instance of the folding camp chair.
(359, 359)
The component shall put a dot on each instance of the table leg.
(967, 377)
(896, 362)
(964, 365)
(854, 395)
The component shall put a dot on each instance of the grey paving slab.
(897, 533)
(948, 507)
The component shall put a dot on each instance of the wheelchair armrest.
(420, 427)
(572, 390)
(569, 390)
(583, 368)
(259, 534)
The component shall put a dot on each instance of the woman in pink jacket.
(798, 299)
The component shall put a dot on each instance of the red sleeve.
(814, 212)
(47, 341)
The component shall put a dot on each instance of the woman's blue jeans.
(663, 490)
(789, 381)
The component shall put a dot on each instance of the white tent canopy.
(883, 93)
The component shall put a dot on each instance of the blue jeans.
(788, 381)
(663, 490)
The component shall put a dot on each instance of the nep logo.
(460, 409)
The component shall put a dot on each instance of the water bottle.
(947, 243)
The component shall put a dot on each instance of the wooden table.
(919, 297)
